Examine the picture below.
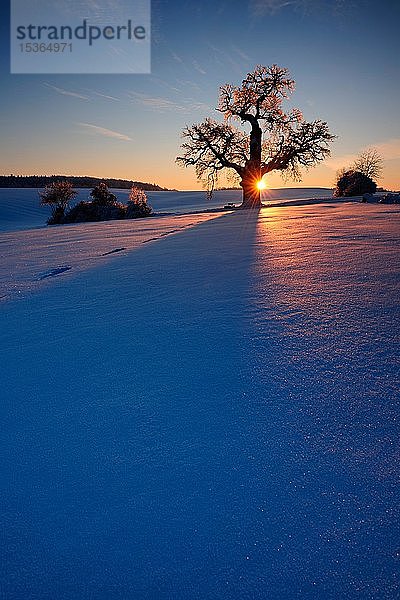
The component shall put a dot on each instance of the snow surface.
(212, 415)
(28, 258)
(20, 208)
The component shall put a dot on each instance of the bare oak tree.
(289, 143)
(369, 163)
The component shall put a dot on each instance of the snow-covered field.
(20, 209)
(210, 415)
(30, 258)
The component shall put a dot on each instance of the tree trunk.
(251, 194)
(252, 173)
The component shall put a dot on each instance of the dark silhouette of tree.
(354, 183)
(57, 195)
(290, 142)
(102, 196)
(369, 163)
(104, 206)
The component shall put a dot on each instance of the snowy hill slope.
(31, 259)
(210, 416)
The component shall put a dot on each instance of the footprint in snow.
(113, 251)
(53, 272)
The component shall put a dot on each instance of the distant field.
(20, 208)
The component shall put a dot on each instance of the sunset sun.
(261, 185)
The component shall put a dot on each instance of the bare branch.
(259, 97)
(211, 146)
(369, 163)
(299, 145)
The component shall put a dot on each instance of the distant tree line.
(40, 181)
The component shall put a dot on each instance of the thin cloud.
(240, 52)
(164, 84)
(64, 92)
(198, 68)
(176, 57)
(262, 7)
(106, 96)
(154, 102)
(165, 105)
(187, 83)
(106, 132)
(259, 8)
(222, 58)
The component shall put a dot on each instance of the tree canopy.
(278, 140)
(354, 183)
(369, 163)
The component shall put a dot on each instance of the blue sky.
(343, 56)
